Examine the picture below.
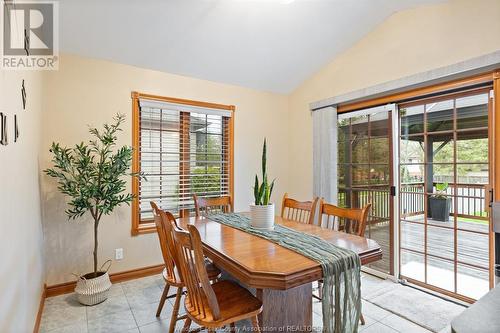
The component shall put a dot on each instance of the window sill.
(144, 228)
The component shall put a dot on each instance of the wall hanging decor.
(16, 129)
(3, 129)
(26, 42)
(23, 95)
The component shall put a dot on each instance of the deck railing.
(377, 195)
(412, 199)
(471, 200)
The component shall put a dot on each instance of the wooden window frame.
(142, 228)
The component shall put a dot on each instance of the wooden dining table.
(281, 277)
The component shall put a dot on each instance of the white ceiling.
(270, 45)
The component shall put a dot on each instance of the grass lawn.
(465, 219)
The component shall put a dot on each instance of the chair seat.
(212, 271)
(235, 303)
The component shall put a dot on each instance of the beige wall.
(407, 43)
(21, 243)
(86, 91)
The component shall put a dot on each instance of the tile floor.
(132, 305)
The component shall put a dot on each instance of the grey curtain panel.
(325, 154)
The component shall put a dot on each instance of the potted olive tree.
(92, 176)
(440, 203)
(262, 211)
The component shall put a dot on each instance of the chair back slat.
(201, 296)
(300, 211)
(165, 236)
(208, 206)
(349, 220)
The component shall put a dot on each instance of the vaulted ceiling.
(270, 45)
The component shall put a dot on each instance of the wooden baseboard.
(36, 328)
(68, 287)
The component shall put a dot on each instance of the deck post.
(348, 169)
(429, 172)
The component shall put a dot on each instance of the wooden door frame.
(426, 91)
(495, 162)
(391, 204)
(392, 169)
(473, 81)
(442, 97)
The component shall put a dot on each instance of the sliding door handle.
(393, 191)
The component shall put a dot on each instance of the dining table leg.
(286, 310)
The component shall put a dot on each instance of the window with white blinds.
(183, 149)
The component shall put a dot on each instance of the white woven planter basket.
(262, 217)
(93, 291)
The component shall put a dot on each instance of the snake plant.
(262, 192)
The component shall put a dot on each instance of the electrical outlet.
(119, 254)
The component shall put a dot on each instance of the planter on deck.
(439, 209)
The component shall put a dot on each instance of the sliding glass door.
(434, 228)
(365, 173)
(444, 192)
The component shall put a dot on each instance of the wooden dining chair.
(211, 305)
(348, 220)
(165, 223)
(207, 206)
(304, 211)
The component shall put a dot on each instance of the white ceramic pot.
(262, 217)
(92, 291)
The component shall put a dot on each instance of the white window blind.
(183, 150)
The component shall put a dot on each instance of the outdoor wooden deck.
(472, 245)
